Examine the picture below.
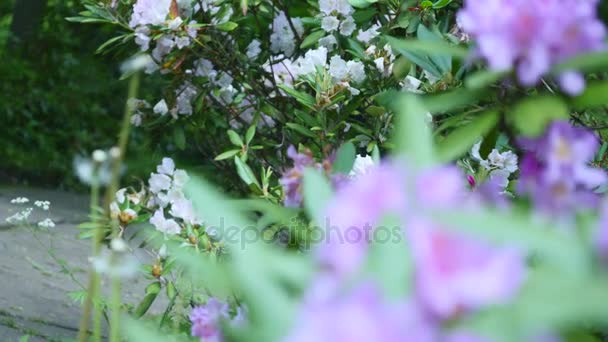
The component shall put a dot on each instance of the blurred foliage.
(57, 99)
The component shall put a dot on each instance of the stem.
(94, 288)
(115, 301)
(93, 276)
(123, 139)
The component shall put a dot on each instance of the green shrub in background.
(56, 98)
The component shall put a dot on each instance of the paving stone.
(34, 287)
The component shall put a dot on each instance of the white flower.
(348, 26)
(119, 245)
(361, 166)
(330, 23)
(153, 12)
(84, 169)
(167, 166)
(175, 23)
(180, 178)
(120, 195)
(117, 264)
(20, 200)
(369, 34)
(46, 223)
(185, 94)
(183, 209)
(339, 6)
(506, 160)
(337, 68)
(163, 225)
(182, 42)
(142, 37)
(204, 68)
(329, 42)
(136, 120)
(282, 39)
(99, 156)
(159, 182)
(253, 49)
(356, 71)
(379, 63)
(20, 216)
(411, 84)
(44, 205)
(225, 80)
(311, 60)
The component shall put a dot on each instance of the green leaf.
(413, 135)
(530, 116)
(301, 129)
(109, 42)
(301, 97)
(345, 158)
(451, 100)
(179, 137)
(227, 26)
(376, 154)
(441, 4)
(593, 96)
(250, 134)
(427, 47)
(153, 288)
(140, 331)
(245, 172)
(312, 39)
(235, 138)
(244, 5)
(441, 60)
(484, 78)
(317, 193)
(145, 304)
(227, 154)
(594, 61)
(460, 141)
(361, 3)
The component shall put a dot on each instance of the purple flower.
(206, 320)
(455, 274)
(353, 213)
(532, 36)
(555, 172)
(361, 315)
(292, 178)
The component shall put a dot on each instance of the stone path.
(34, 292)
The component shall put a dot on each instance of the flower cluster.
(206, 319)
(166, 188)
(21, 216)
(532, 36)
(454, 275)
(498, 165)
(555, 170)
(291, 181)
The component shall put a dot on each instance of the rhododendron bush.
(404, 170)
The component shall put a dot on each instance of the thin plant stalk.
(123, 140)
(94, 288)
